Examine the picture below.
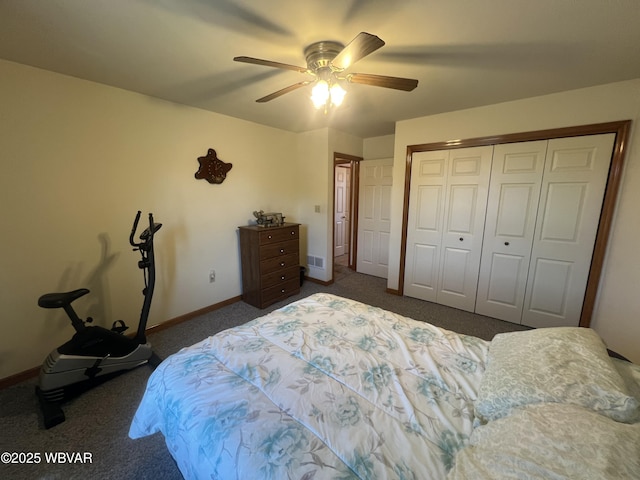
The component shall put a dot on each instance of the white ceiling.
(464, 53)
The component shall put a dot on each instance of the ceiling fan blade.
(269, 63)
(398, 83)
(279, 93)
(361, 46)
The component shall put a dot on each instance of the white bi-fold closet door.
(542, 214)
(542, 218)
(447, 206)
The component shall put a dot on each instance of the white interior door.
(514, 193)
(341, 211)
(447, 207)
(463, 226)
(374, 206)
(574, 181)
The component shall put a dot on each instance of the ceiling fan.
(327, 62)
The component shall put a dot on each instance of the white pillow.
(561, 365)
(550, 441)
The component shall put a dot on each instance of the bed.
(330, 388)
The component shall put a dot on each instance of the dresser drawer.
(279, 235)
(278, 264)
(282, 276)
(275, 293)
(279, 249)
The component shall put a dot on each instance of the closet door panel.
(573, 187)
(563, 213)
(502, 289)
(516, 209)
(514, 192)
(465, 209)
(454, 273)
(550, 279)
(424, 230)
(425, 262)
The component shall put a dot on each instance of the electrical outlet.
(212, 276)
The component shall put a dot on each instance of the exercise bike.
(95, 354)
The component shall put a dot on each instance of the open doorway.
(345, 213)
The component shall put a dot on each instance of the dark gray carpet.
(98, 421)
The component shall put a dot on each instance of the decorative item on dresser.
(270, 263)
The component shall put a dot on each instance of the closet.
(507, 230)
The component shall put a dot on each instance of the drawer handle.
(282, 264)
(269, 237)
(293, 232)
(506, 243)
(282, 291)
(282, 250)
(282, 277)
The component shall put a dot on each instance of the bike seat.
(60, 300)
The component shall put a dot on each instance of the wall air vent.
(316, 262)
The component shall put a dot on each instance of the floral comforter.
(324, 388)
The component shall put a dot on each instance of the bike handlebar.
(133, 230)
(147, 235)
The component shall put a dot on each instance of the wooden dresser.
(270, 263)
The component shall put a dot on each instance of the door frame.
(354, 186)
(622, 130)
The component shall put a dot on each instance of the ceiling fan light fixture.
(325, 94)
(320, 94)
(337, 93)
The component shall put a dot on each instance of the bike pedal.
(119, 326)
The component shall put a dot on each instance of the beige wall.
(617, 315)
(313, 148)
(78, 160)
(378, 147)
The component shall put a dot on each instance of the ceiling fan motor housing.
(320, 54)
